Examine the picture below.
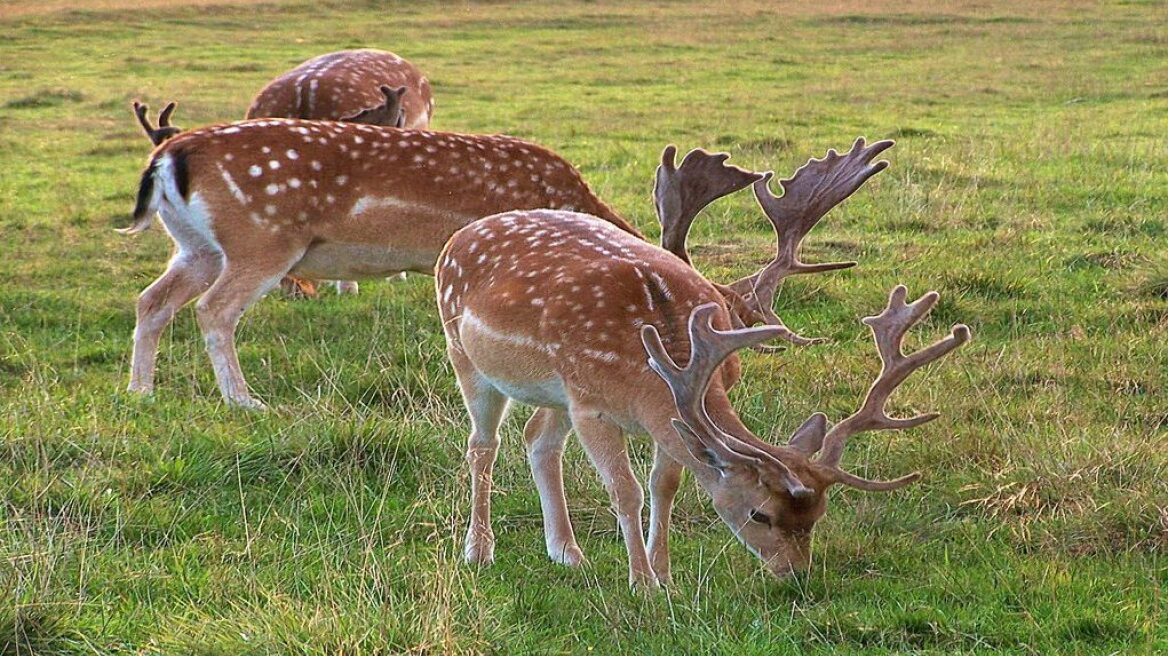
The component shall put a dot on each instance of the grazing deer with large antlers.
(249, 202)
(558, 309)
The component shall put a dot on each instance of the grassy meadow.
(1029, 185)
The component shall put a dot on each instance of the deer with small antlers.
(377, 115)
(558, 310)
(250, 202)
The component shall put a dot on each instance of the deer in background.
(558, 310)
(250, 202)
(339, 86)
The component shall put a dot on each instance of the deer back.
(359, 184)
(540, 293)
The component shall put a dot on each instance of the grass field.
(1029, 186)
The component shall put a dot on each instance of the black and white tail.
(151, 187)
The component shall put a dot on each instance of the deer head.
(164, 130)
(771, 496)
(389, 113)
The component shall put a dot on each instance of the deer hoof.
(567, 554)
(480, 549)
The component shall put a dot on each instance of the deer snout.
(795, 558)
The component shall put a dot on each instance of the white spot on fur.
(232, 186)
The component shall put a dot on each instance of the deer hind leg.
(219, 311)
(298, 288)
(663, 483)
(605, 446)
(486, 406)
(187, 276)
(545, 433)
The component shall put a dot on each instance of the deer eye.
(760, 517)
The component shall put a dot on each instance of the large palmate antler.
(888, 330)
(689, 385)
(816, 187)
(680, 193)
(164, 130)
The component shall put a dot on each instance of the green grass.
(1029, 186)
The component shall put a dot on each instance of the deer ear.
(394, 107)
(808, 438)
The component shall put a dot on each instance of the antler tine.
(680, 193)
(164, 130)
(888, 330)
(808, 195)
(709, 348)
(140, 110)
(164, 115)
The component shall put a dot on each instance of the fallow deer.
(339, 86)
(558, 310)
(249, 202)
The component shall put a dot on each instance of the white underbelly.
(545, 394)
(339, 261)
